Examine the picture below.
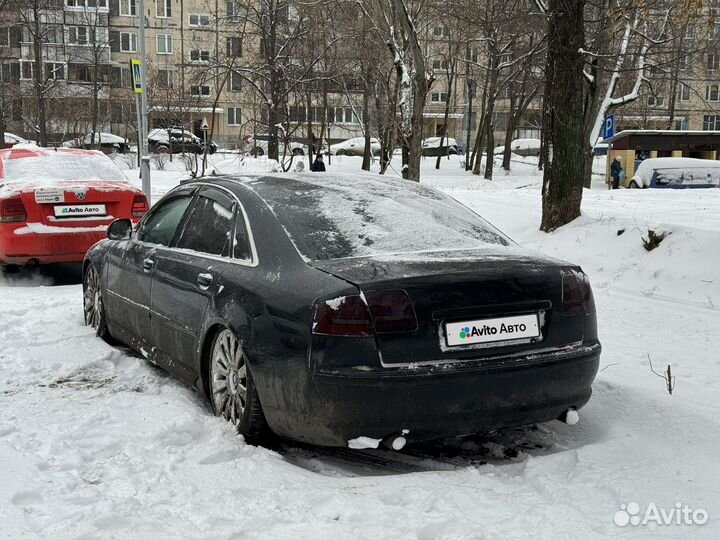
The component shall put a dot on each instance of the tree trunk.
(39, 77)
(563, 176)
(480, 136)
(367, 152)
(471, 94)
(489, 111)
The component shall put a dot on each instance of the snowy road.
(97, 443)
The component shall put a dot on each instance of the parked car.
(431, 146)
(259, 146)
(11, 140)
(177, 140)
(55, 204)
(676, 173)
(355, 147)
(107, 142)
(315, 308)
(521, 147)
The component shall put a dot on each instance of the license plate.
(490, 330)
(79, 210)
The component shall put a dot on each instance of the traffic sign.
(135, 67)
(204, 126)
(609, 129)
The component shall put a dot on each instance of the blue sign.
(609, 129)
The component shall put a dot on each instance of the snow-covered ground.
(96, 443)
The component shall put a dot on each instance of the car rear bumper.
(442, 401)
(46, 247)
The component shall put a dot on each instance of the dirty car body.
(366, 307)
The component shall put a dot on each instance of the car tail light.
(391, 311)
(12, 210)
(379, 311)
(344, 316)
(139, 206)
(577, 295)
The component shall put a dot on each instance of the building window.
(235, 82)
(711, 122)
(712, 92)
(471, 55)
(199, 20)
(78, 35)
(440, 64)
(655, 101)
(196, 55)
(684, 93)
(164, 43)
(681, 124)
(686, 62)
(80, 72)
(163, 8)
(128, 8)
(235, 11)
(87, 3)
(234, 117)
(440, 32)
(201, 90)
(55, 71)
(234, 47)
(713, 61)
(128, 41)
(4, 37)
(165, 78)
(715, 32)
(439, 97)
(690, 31)
(26, 70)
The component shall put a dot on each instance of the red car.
(56, 203)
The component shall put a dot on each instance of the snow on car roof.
(27, 163)
(356, 215)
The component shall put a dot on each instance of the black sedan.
(345, 310)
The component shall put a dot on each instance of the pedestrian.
(318, 165)
(616, 171)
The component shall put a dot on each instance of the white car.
(676, 172)
(258, 146)
(431, 146)
(11, 140)
(104, 141)
(521, 147)
(355, 147)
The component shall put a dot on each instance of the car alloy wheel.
(232, 390)
(93, 302)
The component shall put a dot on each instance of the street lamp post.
(143, 128)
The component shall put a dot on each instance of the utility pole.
(143, 128)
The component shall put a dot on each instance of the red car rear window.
(48, 166)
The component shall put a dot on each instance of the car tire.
(298, 152)
(341, 152)
(93, 303)
(232, 390)
(161, 149)
(257, 152)
(633, 185)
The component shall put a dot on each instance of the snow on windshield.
(330, 217)
(49, 166)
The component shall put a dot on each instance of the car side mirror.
(120, 229)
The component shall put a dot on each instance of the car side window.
(160, 227)
(210, 224)
(242, 249)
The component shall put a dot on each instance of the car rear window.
(58, 167)
(331, 217)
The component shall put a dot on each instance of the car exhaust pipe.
(397, 441)
(570, 417)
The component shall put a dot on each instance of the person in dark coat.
(318, 165)
(615, 170)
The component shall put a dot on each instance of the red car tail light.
(391, 311)
(344, 316)
(12, 210)
(139, 206)
(577, 295)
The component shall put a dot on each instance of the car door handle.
(204, 281)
